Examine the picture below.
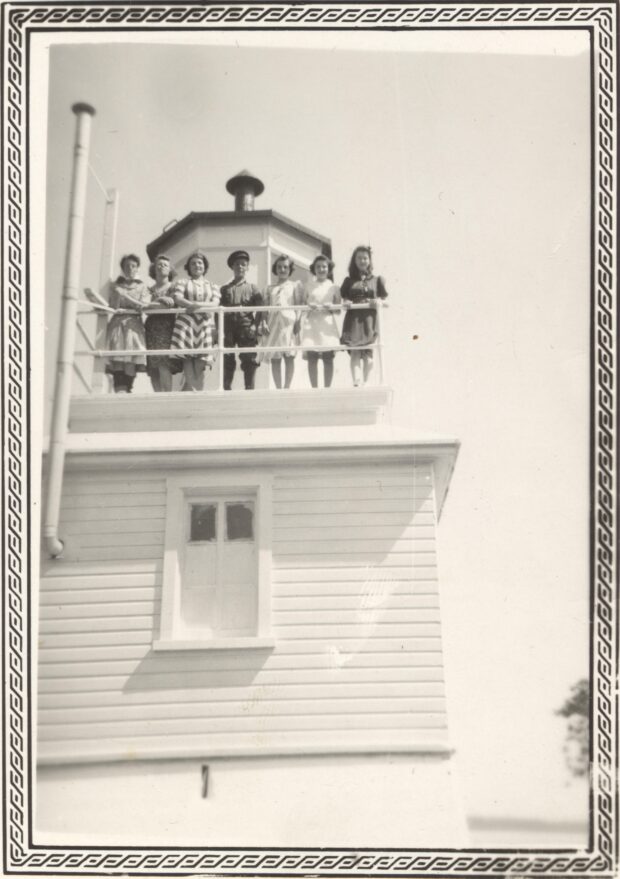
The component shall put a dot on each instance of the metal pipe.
(380, 340)
(66, 341)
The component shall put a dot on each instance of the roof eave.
(158, 244)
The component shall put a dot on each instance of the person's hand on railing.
(187, 304)
(158, 304)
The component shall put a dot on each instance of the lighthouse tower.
(241, 642)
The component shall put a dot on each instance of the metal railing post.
(380, 339)
(106, 272)
(220, 338)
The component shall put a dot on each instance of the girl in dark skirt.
(359, 328)
(159, 327)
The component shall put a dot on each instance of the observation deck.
(299, 426)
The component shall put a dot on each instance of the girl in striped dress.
(195, 329)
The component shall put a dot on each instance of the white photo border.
(20, 21)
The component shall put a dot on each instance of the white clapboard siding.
(310, 654)
(135, 700)
(308, 559)
(354, 610)
(123, 639)
(359, 602)
(104, 554)
(96, 624)
(113, 653)
(92, 610)
(367, 506)
(368, 531)
(55, 568)
(167, 725)
(108, 596)
(97, 514)
(78, 486)
(356, 494)
(80, 582)
(330, 666)
(159, 667)
(308, 521)
(72, 504)
(395, 595)
(361, 615)
(360, 546)
(116, 526)
(356, 574)
(253, 706)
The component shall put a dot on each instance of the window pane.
(203, 522)
(240, 521)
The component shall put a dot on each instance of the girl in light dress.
(191, 329)
(359, 328)
(282, 325)
(159, 327)
(318, 326)
(125, 332)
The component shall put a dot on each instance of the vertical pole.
(268, 313)
(106, 272)
(380, 339)
(66, 341)
(220, 345)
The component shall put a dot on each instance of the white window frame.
(196, 487)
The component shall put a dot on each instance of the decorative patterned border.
(21, 19)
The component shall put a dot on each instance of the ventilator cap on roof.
(245, 187)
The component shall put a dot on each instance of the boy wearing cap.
(240, 330)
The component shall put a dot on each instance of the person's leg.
(355, 367)
(230, 365)
(155, 377)
(276, 371)
(118, 383)
(368, 364)
(289, 371)
(188, 374)
(328, 371)
(129, 380)
(165, 378)
(249, 365)
(313, 368)
(199, 374)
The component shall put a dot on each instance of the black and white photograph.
(309, 431)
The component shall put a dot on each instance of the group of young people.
(279, 332)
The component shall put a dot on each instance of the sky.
(463, 158)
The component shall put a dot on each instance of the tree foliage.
(577, 744)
